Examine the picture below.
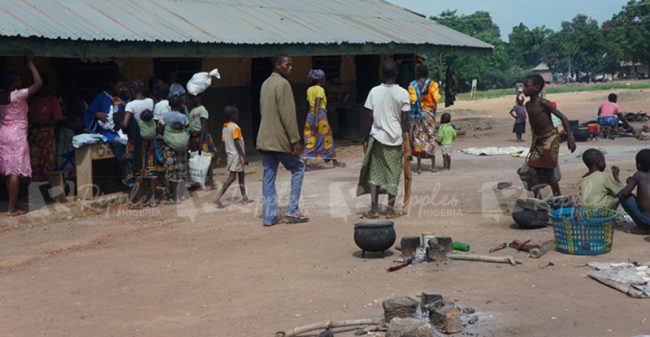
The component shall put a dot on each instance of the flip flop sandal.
(396, 214)
(296, 218)
(16, 212)
(246, 202)
(371, 216)
(136, 206)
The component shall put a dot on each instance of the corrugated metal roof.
(226, 21)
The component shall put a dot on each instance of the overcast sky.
(509, 13)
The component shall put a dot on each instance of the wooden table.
(84, 157)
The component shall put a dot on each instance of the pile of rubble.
(433, 314)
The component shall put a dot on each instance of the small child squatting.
(233, 143)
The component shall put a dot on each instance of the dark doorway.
(261, 68)
(406, 64)
(178, 70)
(367, 75)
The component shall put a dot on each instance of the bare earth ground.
(193, 270)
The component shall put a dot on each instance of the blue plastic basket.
(585, 232)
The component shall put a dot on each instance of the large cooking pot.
(374, 236)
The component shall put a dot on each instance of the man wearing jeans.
(278, 141)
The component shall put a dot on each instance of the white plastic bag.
(199, 164)
(201, 81)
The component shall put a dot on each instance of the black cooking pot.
(374, 236)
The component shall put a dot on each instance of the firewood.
(328, 324)
(483, 258)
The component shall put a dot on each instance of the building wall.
(136, 68)
(234, 87)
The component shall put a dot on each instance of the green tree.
(491, 71)
(579, 45)
(628, 32)
(526, 46)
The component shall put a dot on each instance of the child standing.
(518, 112)
(233, 142)
(175, 142)
(446, 136)
(638, 207)
(545, 150)
(597, 188)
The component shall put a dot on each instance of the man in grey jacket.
(278, 141)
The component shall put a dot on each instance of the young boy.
(638, 207)
(233, 143)
(518, 112)
(446, 136)
(597, 188)
(545, 150)
(389, 107)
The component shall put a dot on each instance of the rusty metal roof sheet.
(226, 21)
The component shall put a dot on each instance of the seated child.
(233, 143)
(597, 188)
(446, 136)
(638, 207)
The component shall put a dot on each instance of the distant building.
(631, 69)
(544, 70)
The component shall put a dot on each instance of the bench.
(84, 157)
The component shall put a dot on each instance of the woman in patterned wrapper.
(319, 142)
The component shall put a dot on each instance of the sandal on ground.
(219, 204)
(152, 203)
(395, 214)
(170, 201)
(339, 164)
(136, 206)
(370, 215)
(296, 218)
(247, 201)
(16, 212)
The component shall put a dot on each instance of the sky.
(509, 13)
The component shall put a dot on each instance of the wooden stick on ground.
(328, 324)
(483, 258)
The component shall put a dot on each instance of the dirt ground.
(193, 270)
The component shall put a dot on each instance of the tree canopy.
(581, 44)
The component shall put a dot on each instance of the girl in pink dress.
(14, 149)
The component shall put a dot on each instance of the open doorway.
(261, 68)
(367, 75)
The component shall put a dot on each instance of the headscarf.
(316, 74)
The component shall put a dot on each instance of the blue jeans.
(270, 161)
(631, 206)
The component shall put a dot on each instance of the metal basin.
(374, 236)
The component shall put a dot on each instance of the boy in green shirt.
(597, 188)
(446, 136)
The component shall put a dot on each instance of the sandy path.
(193, 270)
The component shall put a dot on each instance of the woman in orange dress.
(424, 96)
